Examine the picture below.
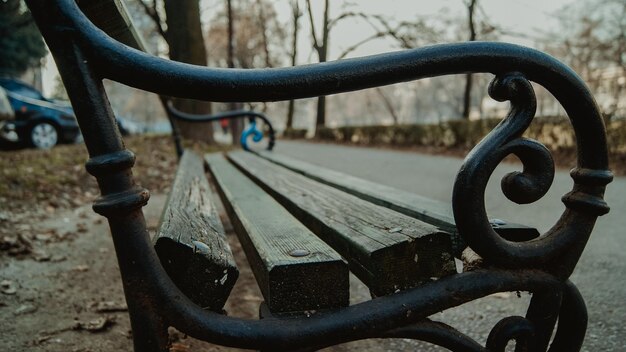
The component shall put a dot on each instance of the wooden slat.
(387, 250)
(296, 271)
(191, 243)
(428, 210)
(113, 18)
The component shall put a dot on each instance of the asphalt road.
(600, 274)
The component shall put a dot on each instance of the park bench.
(304, 228)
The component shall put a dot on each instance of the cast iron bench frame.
(542, 266)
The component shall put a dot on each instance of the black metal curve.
(200, 118)
(515, 328)
(434, 332)
(570, 332)
(437, 333)
(525, 187)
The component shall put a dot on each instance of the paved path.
(600, 274)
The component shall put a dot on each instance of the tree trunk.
(236, 125)
(467, 95)
(291, 108)
(322, 53)
(294, 56)
(320, 120)
(186, 44)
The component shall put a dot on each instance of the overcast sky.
(528, 17)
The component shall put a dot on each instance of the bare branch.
(325, 31)
(342, 16)
(355, 46)
(263, 27)
(151, 10)
(316, 45)
(388, 105)
(294, 40)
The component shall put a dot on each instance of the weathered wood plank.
(428, 210)
(113, 18)
(191, 243)
(387, 250)
(296, 271)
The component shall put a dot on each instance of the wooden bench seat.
(190, 241)
(431, 211)
(291, 228)
(387, 250)
(297, 223)
(295, 270)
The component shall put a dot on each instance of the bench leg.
(148, 326)
(543, 313)
(110, 163)
(149, 330)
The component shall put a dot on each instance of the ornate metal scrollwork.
(252, 131)
(515, 328)
(520, 187)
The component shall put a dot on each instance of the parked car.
(38, 121)
(6, 111)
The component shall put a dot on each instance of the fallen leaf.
(96, 325)
(8, 287)
(502, 295)
(81, 268)
(25, 309)
(41, 256)
(16, 245)
(108, 307)
(45, 237)
(179, 347)
(81, 227)
(58, 258)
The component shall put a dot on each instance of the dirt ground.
(65, 292)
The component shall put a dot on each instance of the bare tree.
(258, 39)
(467, 95)
(295, 16)
(592, 40)
(321, 48)
(382, 28)
(236, 125)
(182, 31)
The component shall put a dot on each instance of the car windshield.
(27, 92)
(22, 89)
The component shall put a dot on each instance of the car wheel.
(43, 135)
